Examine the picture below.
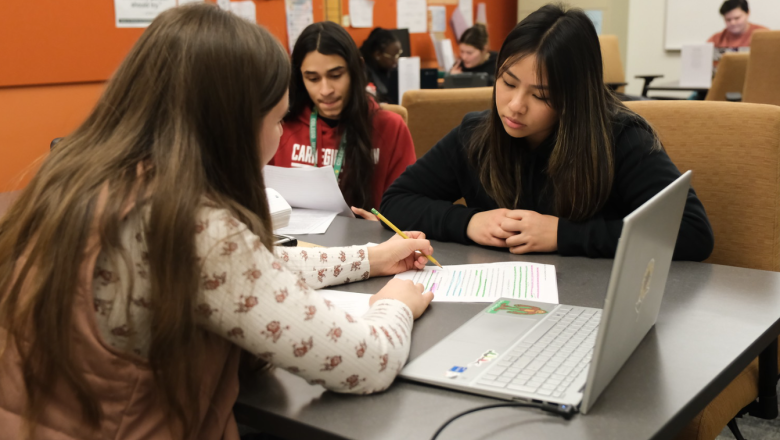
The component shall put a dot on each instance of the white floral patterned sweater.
(264, 302)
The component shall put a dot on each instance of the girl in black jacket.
(555, 164)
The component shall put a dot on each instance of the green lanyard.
(313, 139)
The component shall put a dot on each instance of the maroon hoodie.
(391, 141)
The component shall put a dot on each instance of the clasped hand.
(520, 230)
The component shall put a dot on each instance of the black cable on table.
(565, 412)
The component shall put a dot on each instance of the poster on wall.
(139, 13)
(412, 15)
(300, 13)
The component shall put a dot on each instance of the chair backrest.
(734, 152)
(730, 76)
(396, 109)
(610, 57)
(762, 80)
(433, 113)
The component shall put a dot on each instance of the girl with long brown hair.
(138, 262)
(554, 165)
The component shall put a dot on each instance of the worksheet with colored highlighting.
(488, 282)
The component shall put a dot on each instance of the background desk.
(714, 321)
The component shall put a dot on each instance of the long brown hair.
(188, 103)
(581, 166)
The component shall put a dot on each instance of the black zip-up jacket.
(422, 197)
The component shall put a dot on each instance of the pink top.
(726, 39)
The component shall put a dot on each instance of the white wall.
(645, 52)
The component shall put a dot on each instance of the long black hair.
(581, 166)
(356, 120)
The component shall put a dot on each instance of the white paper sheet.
(696, 65)
(135, 14)
(308, 187)
(224, 4)
(487, 282)
(184, 2)
(444, 54)
(307, 221)
(351, 302)
(300, 13)
(467, 9)
(245, 9)
(458, 22)
(438, 18)
(361, 13)
(411, 14)
(482, 13)
(408, 75)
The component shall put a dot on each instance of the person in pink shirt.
(738, 30)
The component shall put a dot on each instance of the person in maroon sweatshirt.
(333, 121)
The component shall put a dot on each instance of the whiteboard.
(694, 21)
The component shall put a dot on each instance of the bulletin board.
(76, 41)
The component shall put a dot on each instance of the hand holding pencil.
(404, 236)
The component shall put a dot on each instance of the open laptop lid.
(637, 283)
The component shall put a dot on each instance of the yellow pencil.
(398, 231)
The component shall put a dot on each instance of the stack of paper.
(280, 209)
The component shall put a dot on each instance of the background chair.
(396, 109)
(734, 152)
(433, 113)
(614, 75)
(730, 76)
(762, 80)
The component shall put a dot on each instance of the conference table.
(713, 322)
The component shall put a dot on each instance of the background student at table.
(328, 91)
(475, 55)
(554, 166)
(739, 30)
(138, 262)
(380, 52)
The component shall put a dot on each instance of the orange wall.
(31, 116)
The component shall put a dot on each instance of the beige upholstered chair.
(610, 57)
(734, 152)
(730, 76)
(396, 109)
(434, 112)
(762, 80)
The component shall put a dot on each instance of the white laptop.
(565, 355)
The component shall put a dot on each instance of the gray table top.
(714, 321)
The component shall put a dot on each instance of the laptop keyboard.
(547, 360)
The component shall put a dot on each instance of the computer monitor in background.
(403, 36)
(467, 79)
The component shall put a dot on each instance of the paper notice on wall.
(482, 13)
(596, 17)
(224, 4)
(300, 13)
(412, 15)
(408, 75)
(361, 13)
(245, 10)
(438, 18)
(467, 9)
(139, 14)
(184, 2)
(458, 22)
